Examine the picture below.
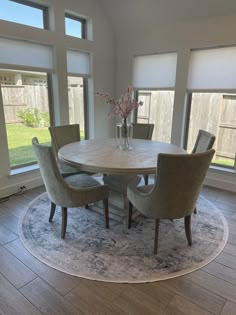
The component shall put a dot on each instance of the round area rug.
(119, 254)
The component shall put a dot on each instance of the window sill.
(223, 170)
(25, 169)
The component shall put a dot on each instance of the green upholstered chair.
(175, 191)
(60, 136)
(205, 141)
(69, 192)
(142, 131)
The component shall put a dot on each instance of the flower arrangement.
(124, 105)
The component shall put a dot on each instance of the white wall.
(102, 49)
(180, 37)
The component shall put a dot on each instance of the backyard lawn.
(19, 142)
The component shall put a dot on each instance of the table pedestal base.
(118, 208)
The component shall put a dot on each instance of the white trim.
(25, 68)
(13, 188)
(24, 169)
(219, 179)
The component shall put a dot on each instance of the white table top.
(104, 156)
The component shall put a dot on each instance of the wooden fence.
(32, 96)
(214, 112)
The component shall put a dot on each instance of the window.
(77, 103)
(154, 79)
(157, 109)
(212, 103)
(216, 113)
(75, 26)
(24, 12)
(25, 95)
(26, 110)
(78, 68)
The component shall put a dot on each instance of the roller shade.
(155, 71)
(78, 62)
(212, 69)
(21, 53)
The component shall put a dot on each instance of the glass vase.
(124, 134)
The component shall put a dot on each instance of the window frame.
(86, 105)
(136, 96)
(83, 24)
(86, 108)
(50, 107)
(187, 123)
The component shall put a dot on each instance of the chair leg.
(106, 213)
(52, 212)
(156, 236)
(86, 206)
(64, 222)
(146, 179)
(130, 210)
(195, 210)
(187, 225)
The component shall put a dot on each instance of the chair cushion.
(120, 183)
(81, 181)
(146, 188)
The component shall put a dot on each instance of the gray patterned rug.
(118, 254)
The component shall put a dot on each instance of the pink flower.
(124, 105)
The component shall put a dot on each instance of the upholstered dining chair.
(68, 192)
(205, 141)
(175, 191)
(60, 136)
(143, 131)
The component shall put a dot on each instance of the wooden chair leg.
(146, 179)
(156, 236)
(195, 210)
(64, 222)
(106, 213)
(187, 225)
(52, 212)
(130, 210)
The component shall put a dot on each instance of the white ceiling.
(138, 14)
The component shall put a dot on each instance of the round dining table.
(105, 156)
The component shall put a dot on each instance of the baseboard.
(226, 182)
(221, 181)
(13, 188)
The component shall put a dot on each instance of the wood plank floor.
(27, 286)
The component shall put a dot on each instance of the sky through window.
(20, 13)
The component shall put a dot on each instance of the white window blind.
(21, 53)
(78, 62)
(155, 71)
(212, 69)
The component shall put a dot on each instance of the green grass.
(227, 163)
(19, 143)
